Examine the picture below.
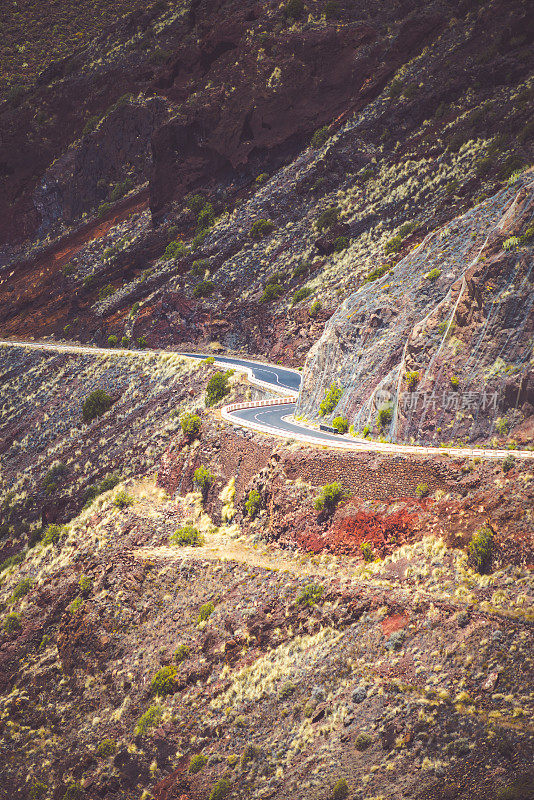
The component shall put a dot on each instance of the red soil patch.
(383, 532)
(32, 301)
(393, 623)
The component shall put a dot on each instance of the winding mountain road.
(273, 416)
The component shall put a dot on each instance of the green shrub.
(190, 424)
(310, 594)
(502, 426)
(203, 479)
(455, 381)
(367, 552)
(301, 294)
(150, 718)
(54, 476)
(329, 496)
(205, 612)
(164, 681)
(206, 218)
(11, 623)
(394, 244)
(528, 234)
(341, 243)
(332, 9)
(109, 482)
(327, 218)
(195, 202)
(197, 763)
(187, 536)
(512, 243)
(120, 189)
(286, 691)
(199, 267)
(135, 309)
(340, 424)
(261, 228)
(315, 309)
(220, 790)
(123, 500)
(96, 404)
(181, 653)
(112, 340)
(412, 379)
(21, 589)
(52, 534)
(175, 249)
(340, 790)
(385, 415)
(433, 275)
(91, 124)
(12, 561)
(217, 387)
(38, 790)
(508, 463)
(204, 289)
(74, 791)
(331, 399)
(209, 360)
(320, 137)
(264, 176)
(106, 748)
(480, 549)
(141, 342)
(85, 583)
(76, 605)
(253, 503)
(362, 741)
(125, 341)
(103, 209)
(376, 273)
(271, 292)
(422, 490)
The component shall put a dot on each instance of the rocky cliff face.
(443, 340)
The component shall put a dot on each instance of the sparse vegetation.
(203, 479)
(433, 275)
(21, 589)
(301, 294)
(508, 463)
(204, 289)
(315, 308)
(106, 748)
(175, 249)
(363, 741)
(53, 534)
(367, 552)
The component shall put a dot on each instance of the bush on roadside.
(331, 399)
(218, 387)
(340, 424)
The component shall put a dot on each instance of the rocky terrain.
(188, 610)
